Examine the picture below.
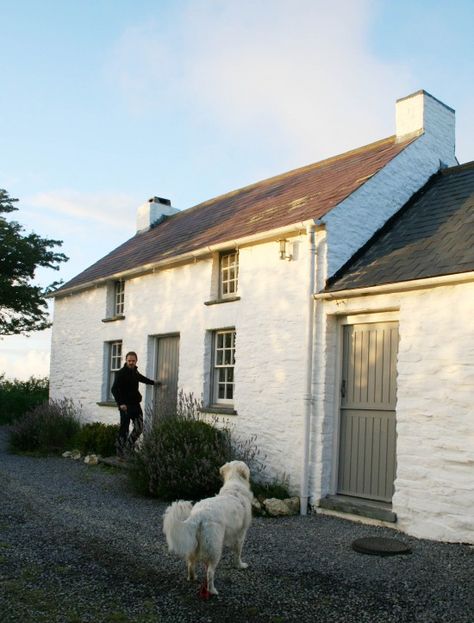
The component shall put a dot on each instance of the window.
(225, 278)
(229, 273)
(115, 301)
(223, 367)
(114, 364)
(119, 298)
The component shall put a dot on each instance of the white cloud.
(22, 357)
(113, 209)
(300, 72)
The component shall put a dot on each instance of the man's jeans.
(126, 442)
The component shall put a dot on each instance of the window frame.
(119, 297)
(223, 368)
(114, 363)
(228, 274)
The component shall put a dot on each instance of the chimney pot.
(151, 211)
(166, 202)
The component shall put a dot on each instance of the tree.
(23, 306)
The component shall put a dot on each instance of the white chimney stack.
(421, 112)
(151, 211)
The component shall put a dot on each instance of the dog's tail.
(180, 535)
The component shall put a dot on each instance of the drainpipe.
(308, 396)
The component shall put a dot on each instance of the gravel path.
(77, 545)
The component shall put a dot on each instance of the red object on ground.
(203, 592)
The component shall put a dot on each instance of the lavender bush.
(182, 452)
(49, 428)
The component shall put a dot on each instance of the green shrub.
(19, 397)
(180, 458)
(97, 438)
(276, 488)
(181, 452)
(49, 428)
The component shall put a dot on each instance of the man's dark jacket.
(125, 387)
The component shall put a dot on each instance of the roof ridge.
(277, 201)
(306, 167)
(457, 168)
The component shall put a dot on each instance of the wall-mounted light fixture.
(284, 250)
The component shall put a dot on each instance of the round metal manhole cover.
(379, 546)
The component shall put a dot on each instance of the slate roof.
(301, 194)
(432, 235)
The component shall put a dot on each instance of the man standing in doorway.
(128, 398)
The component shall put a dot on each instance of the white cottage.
(395, 423)
(218, 299)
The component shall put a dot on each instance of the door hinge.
(343, 388)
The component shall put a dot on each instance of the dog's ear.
(223, 470)
(243, 471)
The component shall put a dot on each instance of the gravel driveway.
(77, 545)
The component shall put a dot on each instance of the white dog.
(199, 532)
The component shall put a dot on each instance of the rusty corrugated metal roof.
(293, 197)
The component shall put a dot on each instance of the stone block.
(91, 459)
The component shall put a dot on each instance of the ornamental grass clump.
(49, 428)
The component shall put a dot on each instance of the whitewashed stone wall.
(270, 321)
(271, 352)
(434, 486)
(434, 490)
(77, 348)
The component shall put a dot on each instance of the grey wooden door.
(367, 452)
(167, 369)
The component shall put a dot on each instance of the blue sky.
(105, 103)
